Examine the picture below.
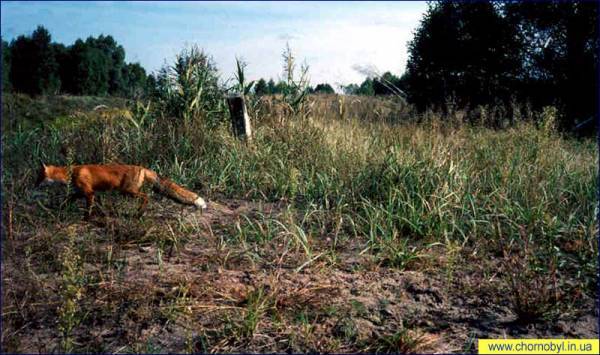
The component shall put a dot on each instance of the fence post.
(240, 121)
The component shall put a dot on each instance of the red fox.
(128, 179)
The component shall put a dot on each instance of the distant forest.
(37, 66)
(463, 54)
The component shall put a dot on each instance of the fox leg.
(89, 197)
(144, 198)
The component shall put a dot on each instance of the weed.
(403, 341)
(533, 289)
(71, 292)
(257, 303)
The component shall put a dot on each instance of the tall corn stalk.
(295, 93)
(241, 85)
(190, 87)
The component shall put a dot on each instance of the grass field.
(362, 226)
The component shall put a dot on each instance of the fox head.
(48, 175)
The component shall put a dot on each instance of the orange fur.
(128, 179)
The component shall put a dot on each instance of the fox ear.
(43, 166)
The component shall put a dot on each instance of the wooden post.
(240, 121)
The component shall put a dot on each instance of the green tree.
(134, 79)
(48, 80)
(118, 83)
(544, 53)
(34, 69)
(280, 87)
(559, 55)
(463, 50)
(5, 66)
(350, 89)
(150, 88)
(61, 53)
(271, 89)
(366, 88)
(89, 69)
(95, 66)
(386, 84)
(261, 88)
(323, 89)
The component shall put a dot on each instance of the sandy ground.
(199, 293)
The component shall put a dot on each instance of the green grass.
(399, 191)
(397, 185)
(22, 110)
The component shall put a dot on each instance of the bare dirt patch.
(178, 280)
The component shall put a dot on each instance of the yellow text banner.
(538, 346)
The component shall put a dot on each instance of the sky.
(336, 39)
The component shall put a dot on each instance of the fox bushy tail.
(170, 189)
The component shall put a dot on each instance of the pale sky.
(333, 37)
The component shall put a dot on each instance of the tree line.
(544, 53)
(462, 54)
(376, 85)
(263, 87)
(35, 65)
(498, 53)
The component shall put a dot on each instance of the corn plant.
(242, 86)
(295, 91)
(190, 88)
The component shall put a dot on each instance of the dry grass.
(335, 233)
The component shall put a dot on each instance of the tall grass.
(401, 186)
